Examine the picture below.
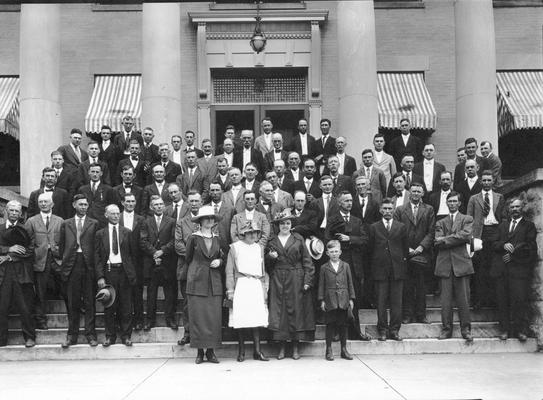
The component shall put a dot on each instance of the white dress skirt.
(249, 309)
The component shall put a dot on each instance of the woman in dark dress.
(291, 310)
(204, 286)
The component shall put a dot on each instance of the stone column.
(40, 112)
(476, 114)
(357, 70)
(161, 86)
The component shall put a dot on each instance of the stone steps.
(229, 349)
(433, 315)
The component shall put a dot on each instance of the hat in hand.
(106, 296)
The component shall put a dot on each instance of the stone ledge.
(522, 183)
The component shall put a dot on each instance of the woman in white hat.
(292, 273)
(204, 286)
(246, 287)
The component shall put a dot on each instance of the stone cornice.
(247, 35)
(249, 16)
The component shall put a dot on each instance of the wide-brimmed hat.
(315, 246)
(106, 296)
(249, 227)
(475, 244)
(205, 212)
(283, 216)
(17, 235)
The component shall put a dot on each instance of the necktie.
(176, 211)
(216, 208)
(190, 174)
(158, 219)
(415, 211)
(115, 241)
(335, 181)
(407, 180)
(388, 225)
(47, 222)
(78, 231)
(93, 188)
(452, 218)
(323, 140)
(367, 172)
(513, 226)
(307, 186)
(486, 206)
(164, 165)
(346, 218)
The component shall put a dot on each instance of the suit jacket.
(70, 158)
(350, 165)
(326, 151)
(198, 183)
(434, 200)
(306, 224)
(152, 190)
(405, 199)
(475, 210)
(171, 172)
(42, 239)
(150, 154)
(208, 166)
(138, 193)
(101, 253)
(318, 206)
(494, 164)
(199, 152)
(255, 187)
(98, 201)
(153, 239)
(378, 182)
(225, 186)
(22, 264)
(452, 256)
(296, 145)
(111, 157)
(238, 204)
(269, 159)
(120, 140)
(61, 203)
(287, 185)
(372, 213)
(68, 181)
(135, 242)
(259, 219)
(523, 259)
(69, 246)
(260, 144)
(336, 288)
(285, 199)
(141, 177)
(466, 193)
(183, 231)
(83, 173)
(314, 189)
(420, 231)
(414, 178)
(290, 176)
(184, 210)
(387, 165)
(388, 251)
(397, 148)
(436, 177)
(460, 172)
(256, 158)
(222, 228)
(341, 183)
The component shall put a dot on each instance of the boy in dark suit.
(336, 296)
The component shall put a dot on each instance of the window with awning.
(113, 97)
(520, 100)
(9, 105)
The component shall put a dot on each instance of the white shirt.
(385, 223)
(276, 195)
(127, 189)
(428, 169)
(343, 215)
(378, 156)
(105, 144)
(296, 174)
(249, 215)
(453, 215)
(93, 160)
(283, 239)
(365, 199)
(128, 220)
(490, 219)
(471, 181)
(443, 209)
(235, 191)
(229, 158)
(511, 223)
(134, 162)
(114, 258)
(303, 141)
(249, 184)
(44, 217)
(276, 155)
(335, 265)
(400, 200)
(367, 171)
(326, 204)
(77, 219)
(308, 183)
(58, 171)
(176, 156)
(246, 157)
(405, 138)
(77, 151)
(159, 186)
(341, 158)
(223, 177)
(267, 139)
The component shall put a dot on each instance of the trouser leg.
(502, 299)
(461, 296)
(409, 293)
(518, 288)
(420, 293)
(382, 289)
(40, 287)
(125, 306)
(27, 324)
(395, 296)
(73, 296)
(89, 293)
(152, 293)
(446, 303)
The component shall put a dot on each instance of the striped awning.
(404, 95)
(114, 97)
(9, 105)
(520, 100)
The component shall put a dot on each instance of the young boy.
(336, 295)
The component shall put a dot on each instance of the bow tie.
(127, 186)
(278, 151)
(134, 158)
(266, 203)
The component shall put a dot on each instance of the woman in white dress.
(246, 288)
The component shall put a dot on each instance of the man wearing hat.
(14, 249)
(77, 270)
(113, 266)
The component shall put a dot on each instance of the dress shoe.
(93, 342)
(241, 356)
(127, 342)
(382, 336)
(295, 354)
(407, 320)
(395, 336)
(260, 356)
(172, 325)
(30, 343)
(68, 342)
(522, 337)
(138, 326)
(199, 357)
(108, 342)
(184, 340)
(365, 337)
(445, 335)
(503, 336)
(422, 320)
(281, 354)
(468, 337)
(345, 354)
(329, 354)
(211, 357)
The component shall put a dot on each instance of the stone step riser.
(58, 307)
(434, 315)
(229, 350)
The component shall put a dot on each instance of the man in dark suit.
(341, 182)
(430, 171)
(133, 222)
(326, 205)
(171, 169)
(190, 138)
(250, 180)
(222, 177)
(389, 249)
(493, 162)
(14, 274)
(157, 188)
(178, 207)
(230, 134)
(302, 142)
(128, 134)
(93, 150)
(460, 172)
(226, 213)
(487, 209)
(309, 183)
(98, 194)
(128, 186)
(248, 154)
(72, 153)
(401, 194)
(192, 178)
(325, 146)
(109, 153)
(376, 177)
(160, 263)
(61, 198)
(136, 162)
(438, 199)
(406, 168)
(514, 260)
(293, 172)
(113, 266)
(364, 206)
(454, 267)
(350, 232)
(347, 164)
(283, 183)
(66, 175)
(305, 222)
(277, 153)
(149, 151)
(419, 221)
(469, 186)
(405, 143)
(77, 270)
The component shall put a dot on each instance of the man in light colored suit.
(44, 231)
(454, 267)
(263, 143)
(279, 196)
(377, 178)
(250, 214)
(384, 161)
(72, 153)
(208, 163)
(234, 196)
